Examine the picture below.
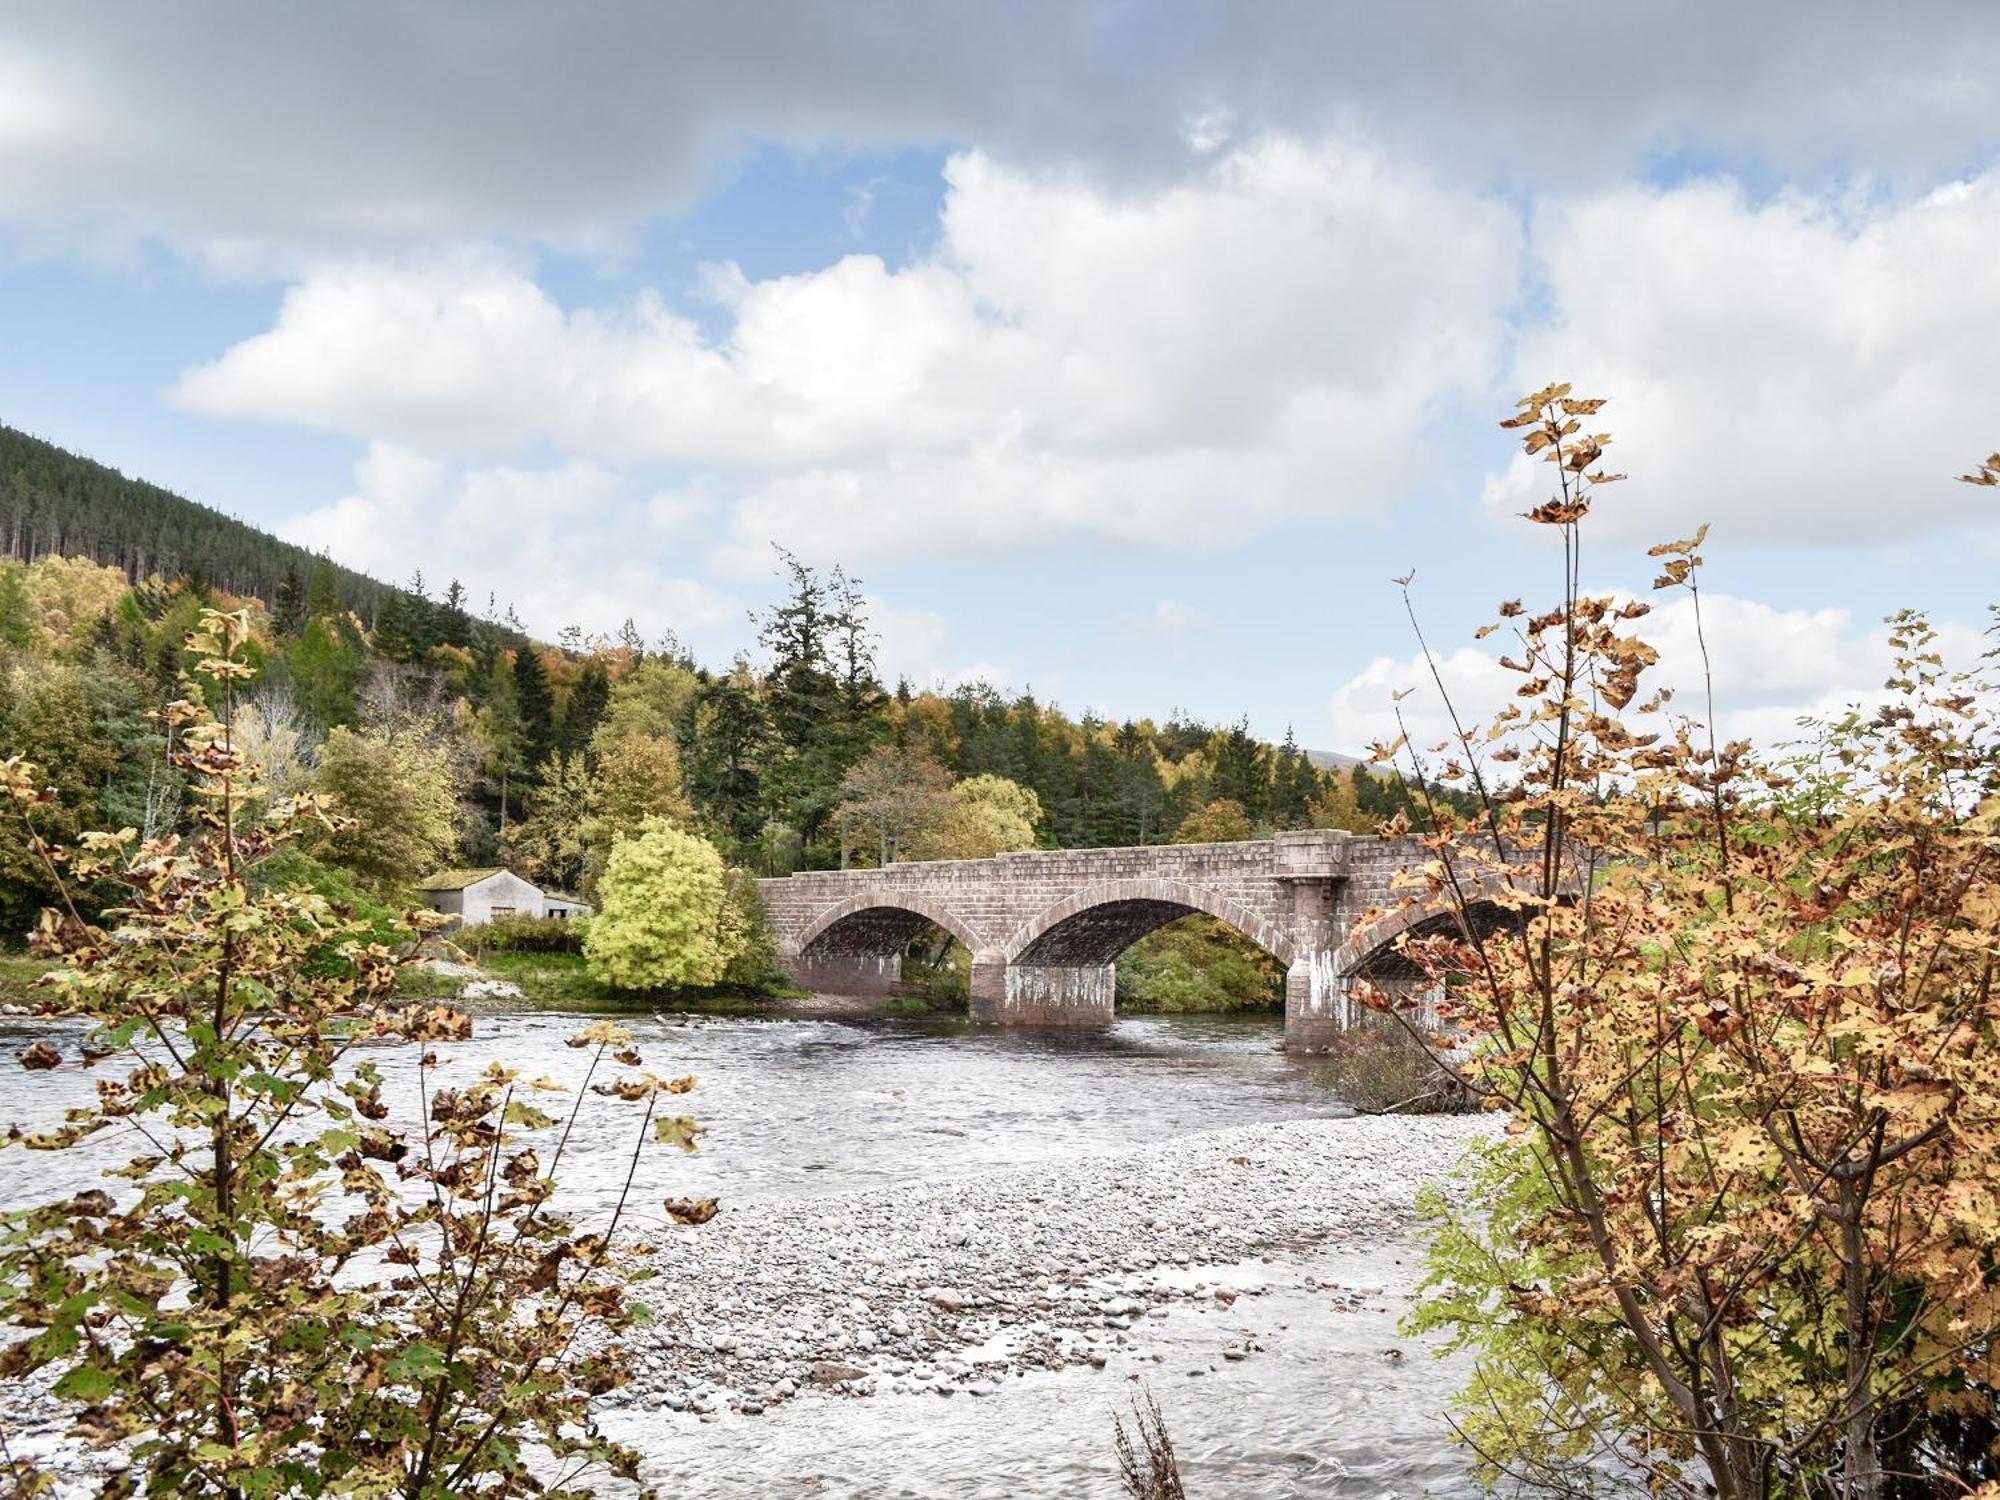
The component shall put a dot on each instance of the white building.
(476, 896)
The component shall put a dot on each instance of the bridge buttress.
(1059, 995)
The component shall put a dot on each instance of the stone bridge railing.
(1045, 927)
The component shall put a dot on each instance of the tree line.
(458, 740)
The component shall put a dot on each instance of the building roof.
(458, 880)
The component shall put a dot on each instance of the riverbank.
(928, 1230)
(956, 1287)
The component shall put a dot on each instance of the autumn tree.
(1220, 822)
(987, 815)
(893, 796)
(637, 777)
(396, 788)
(1744, 1237)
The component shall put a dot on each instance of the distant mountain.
(1332, 760)
(54, 503)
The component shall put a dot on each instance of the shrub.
(1743, 1239)
(524, 935)
(1198, 964)
(286, 1295)
(1379, 1068)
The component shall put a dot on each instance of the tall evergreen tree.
(730, 731)
(1294, 784)
(454, 620)
(535, 704)
(322, 590)
(1242, 770)
(588, 699)
(392, 630)
(288, 608)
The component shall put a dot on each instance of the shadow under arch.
(1370, 949)
(879, 924)
(1095, 925)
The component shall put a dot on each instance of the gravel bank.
(954, 1286)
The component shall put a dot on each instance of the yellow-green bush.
(663, 919)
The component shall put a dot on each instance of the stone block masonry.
(1045, 926)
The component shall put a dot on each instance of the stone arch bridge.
(1045, 927)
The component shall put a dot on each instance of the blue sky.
(1124, 353)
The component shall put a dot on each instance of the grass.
(562, 981)
(18, 972)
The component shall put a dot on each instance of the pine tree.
(392, 630)
(322, 590)
(454, 620)
(1294, 784)
(585, 710)
(535, 705)
(1242, 770)
(288, 609)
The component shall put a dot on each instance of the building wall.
(503, 889)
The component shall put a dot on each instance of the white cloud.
(1801, 372)
(1271, 338)
(1771, 667)
(562, 545)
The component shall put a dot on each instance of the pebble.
(955, 1285)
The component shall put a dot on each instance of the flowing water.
(1334, 1405)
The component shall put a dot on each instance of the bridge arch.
(1095, 925)
(1372, 943)
(881, 922)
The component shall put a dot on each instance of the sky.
(1127, 352)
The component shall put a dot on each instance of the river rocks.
(954, 1286)
(490, 989)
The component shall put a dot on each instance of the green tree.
(322, 590)
(397, 789)
(46, 718)
(547, 844)
(454, 620)
(393, 637)
(326, 664)
(730, 732)
(288, 604)
(660, 920)
(589, 698)
(534, 706)
(1242, 770)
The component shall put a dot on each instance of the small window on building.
(502, 911)
(558, 912)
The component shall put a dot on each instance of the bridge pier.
(1318, 1009)
(1059, 995)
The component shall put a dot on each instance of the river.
(801, 1112)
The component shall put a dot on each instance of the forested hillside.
(55, 504)
(452, 739)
